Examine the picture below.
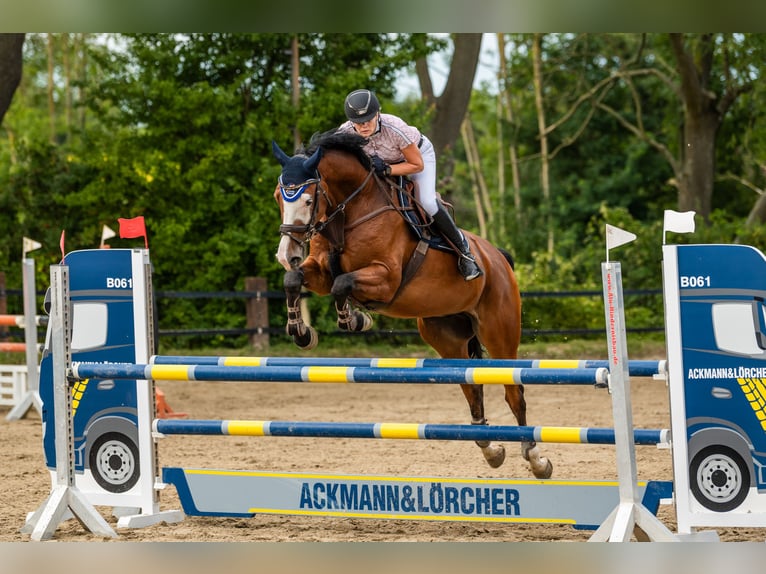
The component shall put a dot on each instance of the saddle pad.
(414, 217)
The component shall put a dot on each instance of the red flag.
(133, 228)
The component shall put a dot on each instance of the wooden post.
(257, 309)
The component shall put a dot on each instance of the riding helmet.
(361, 106)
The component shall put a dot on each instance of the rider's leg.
(466, 264)
(425, 191)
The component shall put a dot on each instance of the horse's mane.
(349, 142)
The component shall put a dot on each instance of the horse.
(342, 235)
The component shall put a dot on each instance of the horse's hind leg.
(494, 454)
(541, 466)
(505, 347)
(452, 337)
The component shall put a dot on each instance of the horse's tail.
(508, 257)
(474, 346)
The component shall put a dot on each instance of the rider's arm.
(413, 161)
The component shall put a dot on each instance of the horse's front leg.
(305, 336)
(348, 319)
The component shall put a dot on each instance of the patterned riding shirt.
(393, 135)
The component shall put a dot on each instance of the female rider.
(397, 148)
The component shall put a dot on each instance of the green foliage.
(578, 268)
(179, 129)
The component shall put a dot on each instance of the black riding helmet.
(361, 106)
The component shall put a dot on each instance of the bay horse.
(359, 251)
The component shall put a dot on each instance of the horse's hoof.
(546, 472)
(494, 455)
(308, 340)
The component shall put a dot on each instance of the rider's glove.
(380, 167)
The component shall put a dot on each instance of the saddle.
(419, 221)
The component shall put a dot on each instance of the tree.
(545, 99)
(545, 185)
(704, 111)
(10, 69)
(449, 108)
(709, 73)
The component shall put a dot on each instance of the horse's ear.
(281, 156)
(311, 163)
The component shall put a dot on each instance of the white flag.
(616, 237)
(29, 245)
(678, 222)
(106, 233)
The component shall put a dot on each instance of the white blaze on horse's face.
(296, 202)
(290, 252)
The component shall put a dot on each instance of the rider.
(397, 148)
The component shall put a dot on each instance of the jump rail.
(637, 368)
(329, 374)
(550, 434)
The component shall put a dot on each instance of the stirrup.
(468, 267)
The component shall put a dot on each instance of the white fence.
(13, 384)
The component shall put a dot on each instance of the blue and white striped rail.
(636, 368)
(568, 435)
(330, 374)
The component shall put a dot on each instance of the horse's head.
(296, 194)
(344, 173)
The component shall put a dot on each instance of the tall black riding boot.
(466, 264)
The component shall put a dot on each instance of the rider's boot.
(466, 264)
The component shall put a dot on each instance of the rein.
(319, 227)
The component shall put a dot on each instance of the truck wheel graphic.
(114, 462)
(719, 478)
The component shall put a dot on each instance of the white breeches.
(425, 190)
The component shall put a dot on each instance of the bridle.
(292, 192)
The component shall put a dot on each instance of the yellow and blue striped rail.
(636, 368)
(330, 374)
(563, 435)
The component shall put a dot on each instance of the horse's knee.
(342, 287)
(293, 281)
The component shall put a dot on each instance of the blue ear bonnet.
(298, 172)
